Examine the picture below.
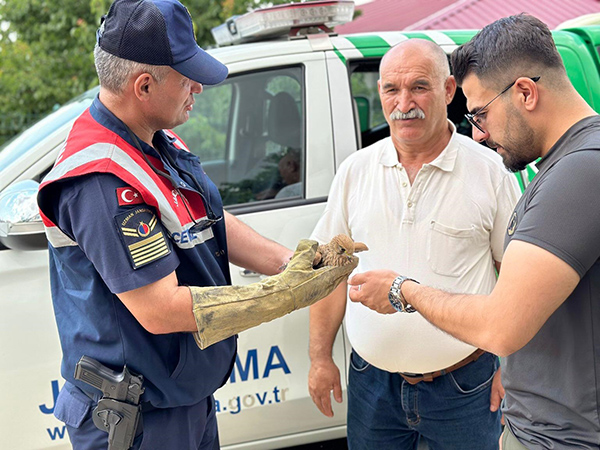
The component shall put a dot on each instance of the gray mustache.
(415, 113)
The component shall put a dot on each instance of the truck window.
(363, 82)
(249, 135)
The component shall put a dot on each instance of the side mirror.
(21, 226)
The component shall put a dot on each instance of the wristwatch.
(397, 299)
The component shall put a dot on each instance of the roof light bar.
(283, 19)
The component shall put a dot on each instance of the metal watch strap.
(396, 298)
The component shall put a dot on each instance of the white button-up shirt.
(445, 230)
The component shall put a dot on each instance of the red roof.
(396, 15)
(391, 15)
(478, 13)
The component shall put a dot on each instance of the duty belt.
(413, 378)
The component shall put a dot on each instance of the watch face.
(394, 297)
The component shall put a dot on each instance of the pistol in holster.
(119, 410)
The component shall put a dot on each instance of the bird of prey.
(337, 252)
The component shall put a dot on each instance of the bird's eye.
(343, 249)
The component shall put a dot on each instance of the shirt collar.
(107, 119)
(444, 161)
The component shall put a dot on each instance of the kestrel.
(337, 252)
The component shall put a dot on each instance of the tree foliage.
(46, 47)
(50, 60)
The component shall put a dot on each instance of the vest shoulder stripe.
(93, 148)
(109, 158)
(57, 238)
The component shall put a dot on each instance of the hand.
(497, 393)
(323, 378)
(372, 289)
(307, 284)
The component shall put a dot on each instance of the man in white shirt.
(435, 204)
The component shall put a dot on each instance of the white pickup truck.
(312, 97)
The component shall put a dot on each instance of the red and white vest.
(93, 148)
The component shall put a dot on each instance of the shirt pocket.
(449, 249)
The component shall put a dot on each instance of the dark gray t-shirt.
(553, 383)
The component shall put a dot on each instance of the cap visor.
(202, 68)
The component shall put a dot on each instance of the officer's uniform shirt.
(107, 218)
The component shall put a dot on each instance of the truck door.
(264, 137)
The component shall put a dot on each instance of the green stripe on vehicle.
(519, 176)
(440, 38)
(370, 40)
(369, 45)
(417, 35)
(530, 173)
(337, 52)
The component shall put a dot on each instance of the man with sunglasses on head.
(140, 248)
(433, 203)
(543, 315)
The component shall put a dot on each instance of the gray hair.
(430, 50)
(114, 72)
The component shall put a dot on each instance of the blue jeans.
(452, 412)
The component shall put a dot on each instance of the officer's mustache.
(414, 113)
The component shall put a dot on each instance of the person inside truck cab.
(429, 202)
(542, 317)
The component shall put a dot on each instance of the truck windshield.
(29, 138)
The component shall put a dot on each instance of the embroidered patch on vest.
(142, 235)
(128, 196)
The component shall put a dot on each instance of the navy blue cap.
(158, 32)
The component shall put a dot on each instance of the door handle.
(247, 273)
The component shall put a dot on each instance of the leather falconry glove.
(223, 311)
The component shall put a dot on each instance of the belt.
(416, 378)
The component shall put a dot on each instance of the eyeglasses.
(475, 121)
(211, 217)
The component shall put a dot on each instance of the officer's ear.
(142, 86)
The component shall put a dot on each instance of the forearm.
(325, 319)
(466, 317)
(252, 251)
(532, 284)
(469, 318)
(162, 307)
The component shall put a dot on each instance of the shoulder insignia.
(142, 236)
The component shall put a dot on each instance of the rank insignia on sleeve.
(142, 236)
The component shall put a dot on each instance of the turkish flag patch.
(128, 196)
